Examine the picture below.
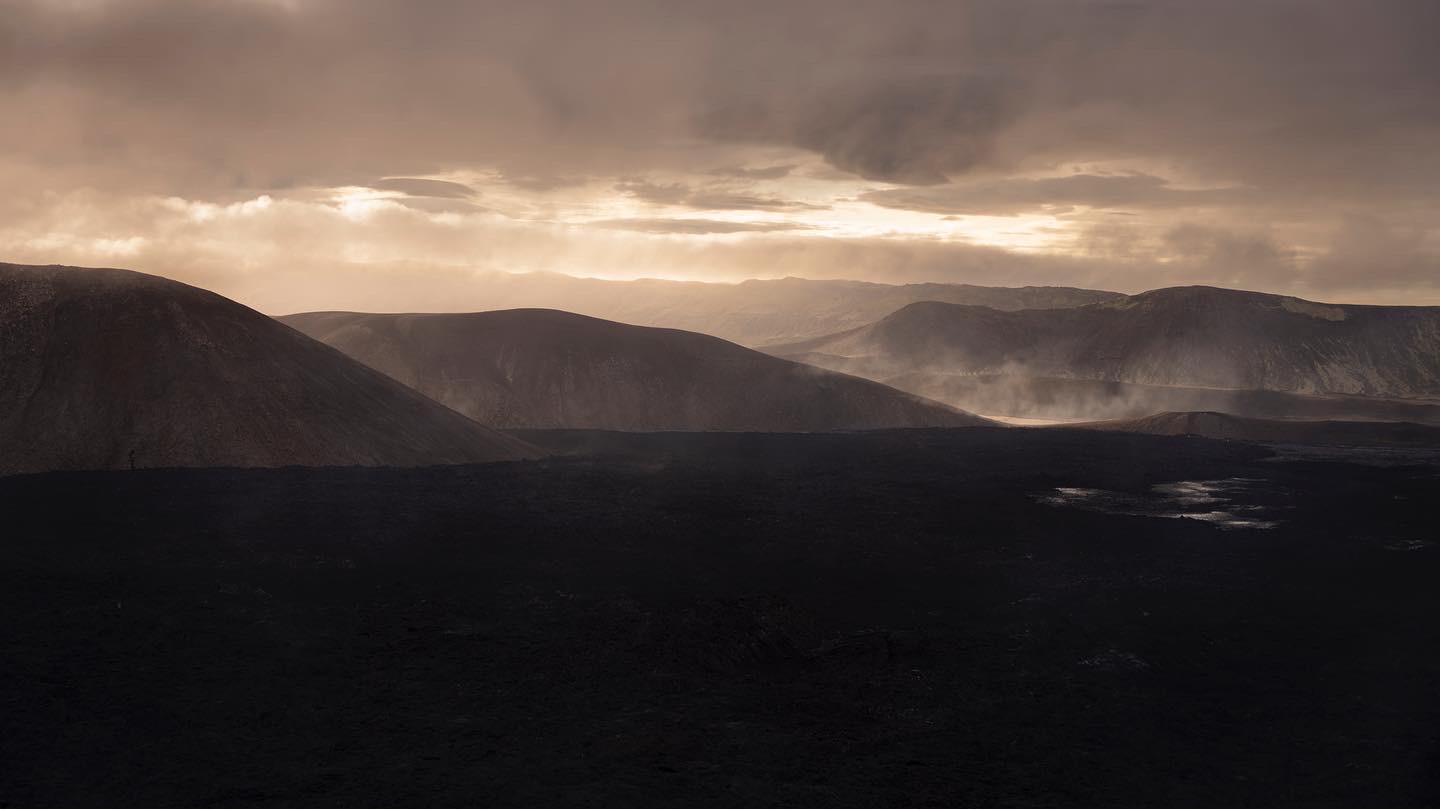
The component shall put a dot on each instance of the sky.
(300, 154)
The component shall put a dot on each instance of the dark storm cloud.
(1327, 112)
(260, 92)
(198, 96)
(263, 92)
(913, 129)
(1006, 197)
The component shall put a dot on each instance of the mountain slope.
(102, 367)
(540, 368)
(1184, 336)
(753, 313)
(1226, 426)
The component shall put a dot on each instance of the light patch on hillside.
(1315, 310)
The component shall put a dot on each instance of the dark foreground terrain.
(976, 617)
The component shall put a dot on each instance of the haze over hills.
(1196, 337)
(102, 368)
(754, 312)
(1236, 428)
(539, 368)
(1055, 399)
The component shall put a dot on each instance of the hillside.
(105, 369)
(538, 368)
(1199, 337)
(755, 312)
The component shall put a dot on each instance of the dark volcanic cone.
(99, 368)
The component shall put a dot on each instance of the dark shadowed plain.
(880, 619)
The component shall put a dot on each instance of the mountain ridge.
(1204, 337)
(753, 312)
(109, 368)
(543, 368)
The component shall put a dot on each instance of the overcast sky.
(301, 154)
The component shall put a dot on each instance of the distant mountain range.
(1189, 337)
(104, 369)
(754, 312)
(538, 368)
(109, 368)
(1236, 428)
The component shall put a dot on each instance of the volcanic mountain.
(540, 368)
(106, 369)
(1199, 337)
(755, 312)
(1235, 428)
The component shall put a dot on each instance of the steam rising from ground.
(1035, 400)
(1017, 394)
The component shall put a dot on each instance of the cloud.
(1015, 196)
(1315, 125)
(760, 173)
(1368, 252)
(540, 182)
(912, 129)
(730, 201)
(695, 226)
(439, 205)
(240, 93)
(712, 199)
(284, 255)
(416, 187)
(1242, 252)
(657, 193)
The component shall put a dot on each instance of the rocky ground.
(910, 618)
